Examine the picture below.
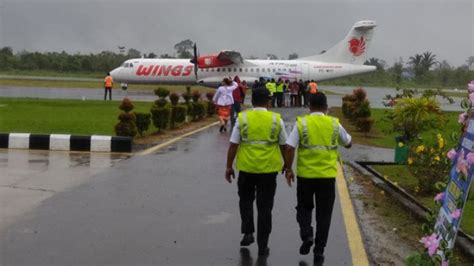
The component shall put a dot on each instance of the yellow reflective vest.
(317, 149)
(271, 87)
(279, 87)
(259, 150)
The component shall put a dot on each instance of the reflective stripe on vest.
(245, 133)
(259, 150)
(305, 140)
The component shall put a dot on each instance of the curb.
(63, 142)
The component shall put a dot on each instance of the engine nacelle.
(210, 61)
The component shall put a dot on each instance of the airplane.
(344, 59)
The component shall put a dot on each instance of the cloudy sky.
(255, 27)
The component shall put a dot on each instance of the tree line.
(420, 69)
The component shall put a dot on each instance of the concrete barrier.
(62, 142)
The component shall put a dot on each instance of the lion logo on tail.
(357, 46)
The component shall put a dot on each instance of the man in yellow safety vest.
(316, 136)
(258, 140)
(272, 88)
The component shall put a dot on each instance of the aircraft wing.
(233, 56)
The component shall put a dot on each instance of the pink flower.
(470, 158)
(439, 197)
(452, 154)
(462, 118)
(462, 167)
(431, 243)
(456, 214)
(444, 263)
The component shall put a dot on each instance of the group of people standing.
(288, 94)
(261, 148)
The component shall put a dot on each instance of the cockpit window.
(125, 65)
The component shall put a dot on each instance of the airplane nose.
(115, 73)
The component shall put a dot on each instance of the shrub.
(126, 125)
(143, 121)
(211, 108)
(162, 92)
(126, 105)
(178, 115)
(160, 117)
(187, 97)
(363, 110)
(210, 96)
(198, 111)
(174, 98)
(429, 164)
(364, 124)
(359, 94)
(196, 95)
(161, 102)
(411, 116)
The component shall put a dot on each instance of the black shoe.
(221, 129)
(306, 246)
(264, 251)
(247, 240)
(318, 256)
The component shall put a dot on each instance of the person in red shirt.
(238, 95)
(294, 89)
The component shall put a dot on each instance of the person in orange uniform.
(108, 84)
(313, 87)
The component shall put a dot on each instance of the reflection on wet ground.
(27, 177)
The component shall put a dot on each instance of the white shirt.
(223, 94)
(294, 138)
(235, 136)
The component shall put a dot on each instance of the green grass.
(91, 85)
(406, 180)
(28, 115)
(381, 134)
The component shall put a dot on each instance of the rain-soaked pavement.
(172, 207)
(374, 95)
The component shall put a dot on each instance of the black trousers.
(108, 89)
(321, 191)
(262, 186)
(279, 98)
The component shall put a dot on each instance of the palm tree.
(416, 63)
(428, 60)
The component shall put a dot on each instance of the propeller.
(195, 61)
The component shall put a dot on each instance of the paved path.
(172, 207)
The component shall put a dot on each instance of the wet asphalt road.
(169, 208)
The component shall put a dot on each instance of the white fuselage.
(181, 71)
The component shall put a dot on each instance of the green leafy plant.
(160, 117)
(162, 92)
(198, 111)
(126, 125)
(196, 96)
(178, 115)
(174, 99)
(143, 121)
(411, 116)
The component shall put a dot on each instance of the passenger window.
(235, 69)
(268, 69)
(230, 69)
(218, 70)
(258, 69)
(274, 70)
(251, 70)
(240, 69)
(263, 69)
(279, 69)
(284, 69)
(207, 69)
(131, 65)
(212, 69)
(246, 70)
